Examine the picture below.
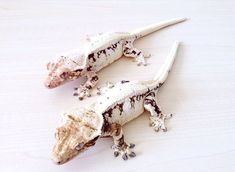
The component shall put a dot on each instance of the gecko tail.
(163, 73)
(155, 27)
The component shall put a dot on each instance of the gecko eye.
(64, 75)
(79, 146)
(56, 135)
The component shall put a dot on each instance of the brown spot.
(94, 78)
(120, 107)
(78, 70)
(124, 81)
(75, 94)
(89, 87)
(91, 56)
(89, 68)
(106, 126)
(153, 104)
(121, 141)
(160, 84)
(108, 112)
(132, 101)
(133, 52)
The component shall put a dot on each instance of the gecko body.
(99, 52)
(124, 102)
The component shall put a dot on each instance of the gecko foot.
(124, 151)
(158, 123)
(109, 85)
(82, 92)
(98, 92)
(141, 61)
(147, 55)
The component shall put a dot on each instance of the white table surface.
(199, 91)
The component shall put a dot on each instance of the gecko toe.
(132, 154)
(81, 98)
(131, 145)
(116, 153)
(164, 129)
(125, 157)
(75, 94)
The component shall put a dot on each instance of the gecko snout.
(48, 85)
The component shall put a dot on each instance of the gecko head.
(62, 70)
(77, 133)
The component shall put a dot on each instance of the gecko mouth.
(87, 145)
(61, 162)
(51, 85)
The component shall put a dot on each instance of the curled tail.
(162, 75)
(155, 27)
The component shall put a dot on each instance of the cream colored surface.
(199, 91)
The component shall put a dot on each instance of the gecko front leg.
(157, 118)
(82, 91)
(120, 146)
(130, 51)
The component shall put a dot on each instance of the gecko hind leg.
(84, 91)
(157, 118)
(130, 51)
(120, 146)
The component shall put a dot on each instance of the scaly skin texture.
(123, 102)
(99, 52)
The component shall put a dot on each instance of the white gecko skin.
(120, 104)
(99, 52)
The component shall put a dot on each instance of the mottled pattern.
(122, 103)
(99, 52)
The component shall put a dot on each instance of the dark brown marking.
(120, 107)
(160, 84)
(75, 94)
(121, 141)
(89, 87)
(106, 126)
(89, 68)
(139, 53)
(124, 81)
(78, 70)
(94, 78)
(91, 142)
(153, 104)
(132, 101)
(91, 56)
(109, 112)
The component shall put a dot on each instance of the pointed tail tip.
(183, 19)
(177, 43)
